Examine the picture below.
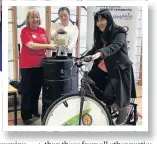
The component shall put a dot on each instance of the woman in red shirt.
(34, 45)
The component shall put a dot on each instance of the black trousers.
(103, 83)
(31, 82)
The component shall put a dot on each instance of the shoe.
(115, 106)
(36, 114)
(124, 115)
(26, 122)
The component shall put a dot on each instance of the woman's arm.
(91, 51)
(27, 40)
(33, 45)
(115, 46)
(73, 38)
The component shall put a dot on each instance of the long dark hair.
(110, 30)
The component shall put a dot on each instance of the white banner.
(125, 16)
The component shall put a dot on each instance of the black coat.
(119, 69)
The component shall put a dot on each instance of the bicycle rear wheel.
(65, 112)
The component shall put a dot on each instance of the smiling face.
(101, 23)
(64, 17)
(34, 19)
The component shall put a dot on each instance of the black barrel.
(59, 79)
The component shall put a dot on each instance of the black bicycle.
(84, 108)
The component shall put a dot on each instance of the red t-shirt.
(30, 58)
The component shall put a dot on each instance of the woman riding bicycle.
(112, 70)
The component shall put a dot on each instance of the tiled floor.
(37, 121)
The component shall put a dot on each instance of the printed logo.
(62, 71)
(33, 36)
(43, 35)
(87, 119)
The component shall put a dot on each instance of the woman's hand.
(66, 47)
(52, 47)
(61, 30)
(97, 55)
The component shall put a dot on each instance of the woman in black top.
(112, 70)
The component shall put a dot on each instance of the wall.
(10, 41)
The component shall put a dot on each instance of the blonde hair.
(29, 13)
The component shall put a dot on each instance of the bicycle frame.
(85, 88)
(86, 83)
(86, 91)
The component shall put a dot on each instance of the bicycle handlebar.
(80, 61)
(87, 58)
(84, 58)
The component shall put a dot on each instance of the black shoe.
(36, 114)
(124, 115)
(26, 122)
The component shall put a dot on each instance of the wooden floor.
(37, 121)
(139, 102)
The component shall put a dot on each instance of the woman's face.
(101, 24)
(34, 19)
(64, 16)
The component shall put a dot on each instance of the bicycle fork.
(81, 108)
(82, 93)
(84, 88)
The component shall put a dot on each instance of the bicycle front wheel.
(65, 112)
